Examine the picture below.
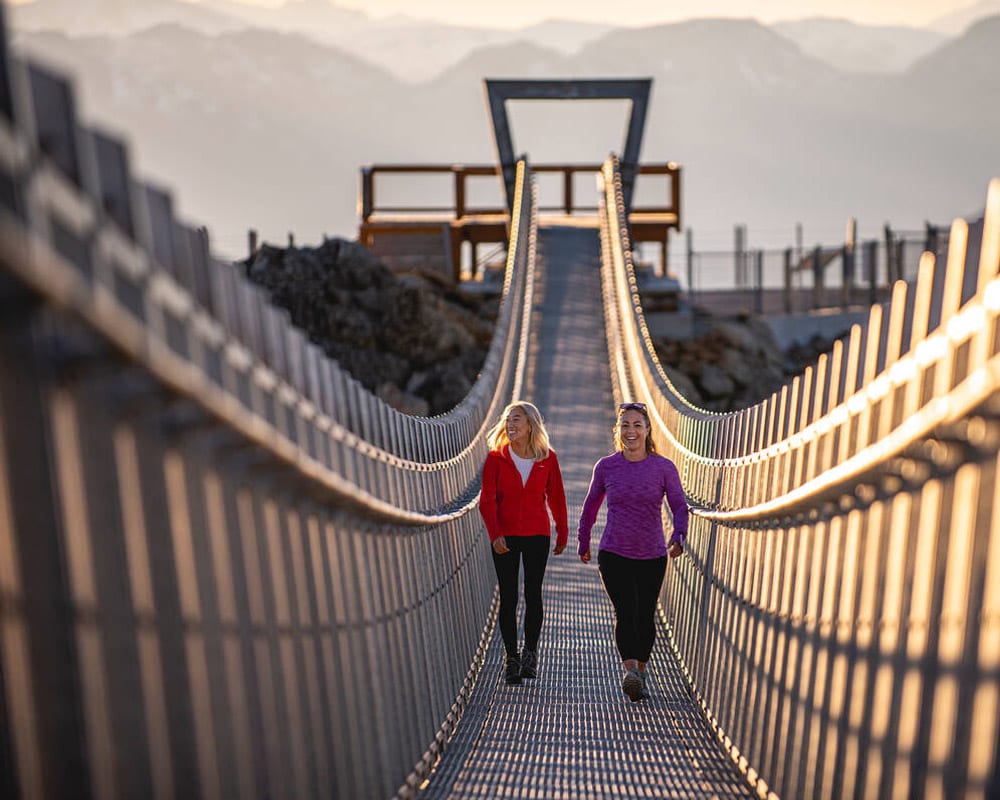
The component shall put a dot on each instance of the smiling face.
(632, 432)
(518, 427)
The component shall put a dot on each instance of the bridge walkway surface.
(572, 733)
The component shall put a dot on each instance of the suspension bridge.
(228, 571)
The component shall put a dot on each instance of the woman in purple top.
(633, 554)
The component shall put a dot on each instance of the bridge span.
(227, 570)
(571, 733)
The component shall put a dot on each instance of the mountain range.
(266, 129)
(416, 50)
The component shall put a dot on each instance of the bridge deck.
(572, 733)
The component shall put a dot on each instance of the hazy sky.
(516, 13)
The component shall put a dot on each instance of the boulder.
(715, 383)
(403, 401)
(683, 384)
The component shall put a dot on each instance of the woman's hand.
(500, 546)
(558, 549)
(675, 549)
(585, 557)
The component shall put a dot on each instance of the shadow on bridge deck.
(572, 733)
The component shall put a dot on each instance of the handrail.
(51, 275)
(201, 514)
(368, 206)
(819, 421)
(835, 552)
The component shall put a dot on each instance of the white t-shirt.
(523, 465)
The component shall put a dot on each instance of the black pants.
(534, 550)
(634, 587)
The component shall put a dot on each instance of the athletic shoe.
(632, 685)
(529, 664)
(512, 670)
(644, 677)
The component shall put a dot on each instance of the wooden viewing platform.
(430, 237)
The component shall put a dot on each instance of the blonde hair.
(538, 439)
(619, 444)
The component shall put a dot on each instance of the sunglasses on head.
(632, 407)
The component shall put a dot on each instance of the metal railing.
(225, 567)
(837, 613)
(795, 280)
(226, 570)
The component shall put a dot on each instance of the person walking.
(520, 476)
(633, 554)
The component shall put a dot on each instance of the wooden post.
(847, 259)
(759, 280)
(738, 236)
(459, 192)
(675, 191)
(367, 193)
(817, 265)
(788, 281)
(689, 246)
(568, 191)
(871, 253)
(455, 234)
(890, 255)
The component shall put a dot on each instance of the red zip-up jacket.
(512, 509)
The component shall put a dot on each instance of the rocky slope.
(417, 345)
(735, 364)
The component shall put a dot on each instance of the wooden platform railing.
(412, 225)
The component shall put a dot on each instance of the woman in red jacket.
(520, 476)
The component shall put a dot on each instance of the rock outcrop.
(735, 364)
(417, 344)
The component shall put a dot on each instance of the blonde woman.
(633, 552)
(520, 477)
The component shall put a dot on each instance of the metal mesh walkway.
(571, 733)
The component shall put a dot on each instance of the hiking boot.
(644, 677)
(512, 671)
(632, 685)
(529, 664)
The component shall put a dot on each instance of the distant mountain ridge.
(861, 48)
(415, 50)
(419, 50)
(958, 22)
(256, 128)
(115, 18)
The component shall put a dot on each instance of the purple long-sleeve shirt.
(635, 492)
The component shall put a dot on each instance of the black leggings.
(535, 552)
(633, 585)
